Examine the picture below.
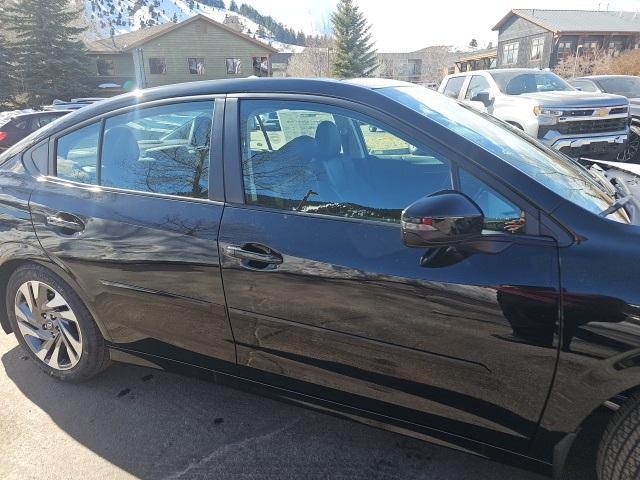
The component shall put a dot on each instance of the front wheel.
(631, 152)
(619, 452)
(53, 325)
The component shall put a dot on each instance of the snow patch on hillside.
(114, 17)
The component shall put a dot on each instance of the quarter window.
(77, 155)
(500, 214)
(159, 150)
(510, 53)
(320, 159)
(453, 87)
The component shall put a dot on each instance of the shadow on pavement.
(156, 425)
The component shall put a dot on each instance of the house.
(280, 63)
(544, 38)
(198, 48)
(424, 67)
(478, 60)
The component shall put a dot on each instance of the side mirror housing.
(441, 219)
(483, 97)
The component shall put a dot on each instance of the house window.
(261, 66)
(537, 47)
(615, 48)
(158, 66)
(234, 66)
(565, 50)
(106, 67)
(510, 53)
(196, 65)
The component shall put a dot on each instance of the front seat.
(120, 158)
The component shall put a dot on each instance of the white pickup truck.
(579, 124)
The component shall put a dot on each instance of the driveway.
(132, 422)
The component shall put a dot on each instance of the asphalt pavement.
(132, 422)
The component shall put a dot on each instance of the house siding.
(522, 31)
(198, 39)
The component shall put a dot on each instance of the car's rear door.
(324, 298)
(131, 209)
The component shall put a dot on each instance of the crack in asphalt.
(225, 449)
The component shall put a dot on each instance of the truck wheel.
(619, 452)
(53, 325)
(631, 153)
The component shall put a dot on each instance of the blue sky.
(405, 25)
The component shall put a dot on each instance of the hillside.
(113, 17)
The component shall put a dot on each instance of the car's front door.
(324, 297)
(130, 212)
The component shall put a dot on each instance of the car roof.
(359, 90)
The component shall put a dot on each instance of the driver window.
(160, 150)
(477, 84)
(316, 158)
(500, 214)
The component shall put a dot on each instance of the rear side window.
(77, 155)
(159, 150)
(585, 86)
(453, 87)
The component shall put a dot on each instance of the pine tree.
(355, 55)
(48, 56)
(175, 17)
(7, 83)
(233, 6)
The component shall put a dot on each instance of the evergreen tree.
(175, 17)
(233, 6)
(48, 56)
(7, 83)
(355, 55)
(473, 43)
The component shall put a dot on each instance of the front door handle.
(65, 221)
(244, 254)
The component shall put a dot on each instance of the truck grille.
(591, 126)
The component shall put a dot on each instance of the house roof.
(578, 20)
(129, 41)
(480, 54)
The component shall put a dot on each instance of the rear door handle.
(243, 254)
(66, 221)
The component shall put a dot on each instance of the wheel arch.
(10, 265)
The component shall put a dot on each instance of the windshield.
(518, 82)
(556, 172)
(626, 86)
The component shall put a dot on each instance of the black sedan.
(383, 253)
(24, 124)
(627, 86)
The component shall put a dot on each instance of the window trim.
(505, 47)
(234, 180)
(216, 182)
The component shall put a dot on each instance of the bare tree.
(590, 63)
(627, 63)
(314, 61)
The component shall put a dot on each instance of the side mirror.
(483, 97)
(441, 219)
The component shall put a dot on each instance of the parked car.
(22, 125)
(628, 86)
(447, 277)
(579, 124)
(73, 104)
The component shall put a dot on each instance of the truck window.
(477, 84)
(453, 87)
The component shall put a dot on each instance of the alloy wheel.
(630, 153)
(48, 325)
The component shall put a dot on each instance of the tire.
(54, 326)
(619, 452)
